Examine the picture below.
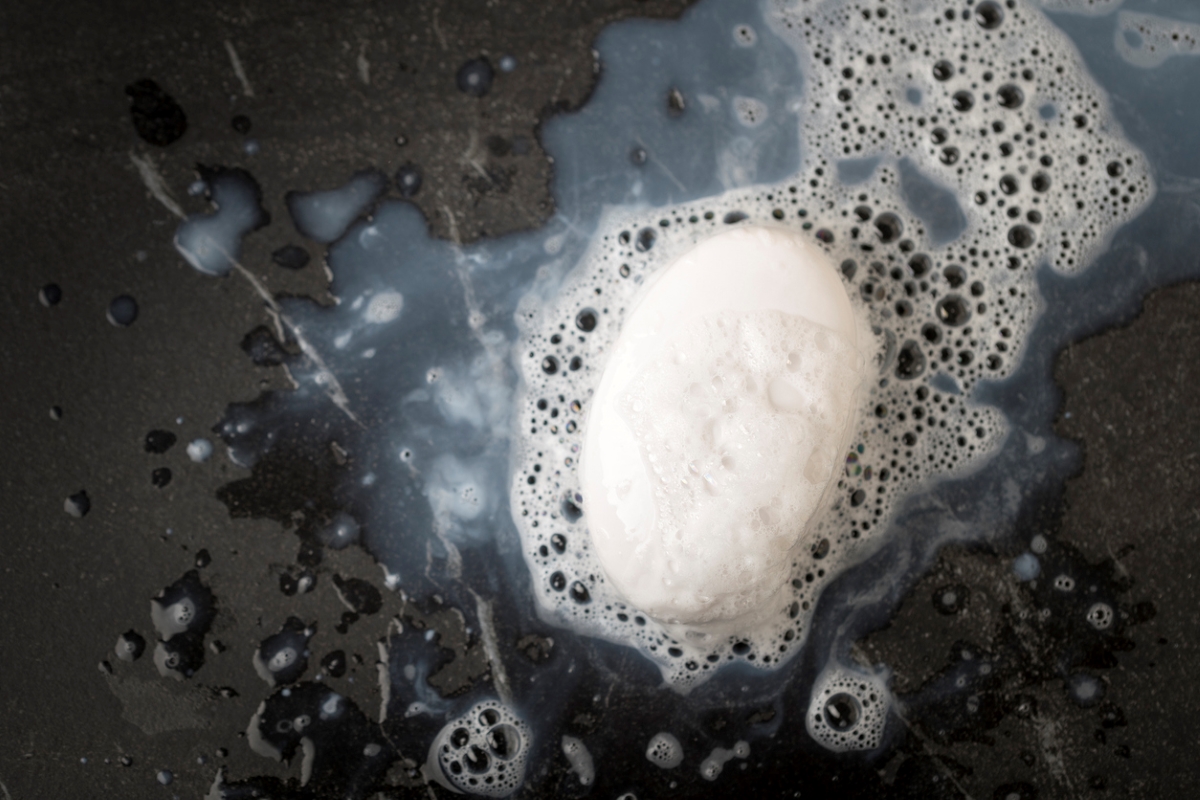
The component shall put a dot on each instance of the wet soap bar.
(717, 424)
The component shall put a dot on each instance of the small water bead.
(675, 103)
(290, 256)
(78, 504)
(130, 646)
(475, 77)
(50, 295)
(199, 450)
(1086, 690)
(122, 311)
(409, 180)
(943, 70)
(159, 441)
(962, 100)
(1026, 567)
(952, 599)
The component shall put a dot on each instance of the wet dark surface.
(76, 721)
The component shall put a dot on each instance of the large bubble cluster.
(483, 752)
(950, 149)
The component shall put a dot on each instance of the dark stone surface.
(75, 214)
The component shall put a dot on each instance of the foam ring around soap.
(1016, 181)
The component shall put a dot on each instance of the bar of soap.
(720, 420)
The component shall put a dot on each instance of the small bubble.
(953, 310)
(1021, 236)
(585, 320)
(842, 711)
(1010, 96)
(645, 239)
(989, 15)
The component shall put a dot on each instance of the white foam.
(848, 710)
(1146, 40)
(384, 307)
(580, 759)
(483, 752)
(714, 765)
(664, 751)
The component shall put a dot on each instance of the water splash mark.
(236, 62)
(155, 184)
(364, 66)
(491, 646)
(325, 378)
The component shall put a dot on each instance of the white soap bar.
(721, 416)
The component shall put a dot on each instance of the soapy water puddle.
(985, 206)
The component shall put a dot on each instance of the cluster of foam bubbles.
(1147, 40)
(482, 752)
(580, 759)
(712, 767)
(986, 103)
(664, 751)
(847, 710)
(182, 613)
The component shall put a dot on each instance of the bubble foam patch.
(944, 164)
(847, 711)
